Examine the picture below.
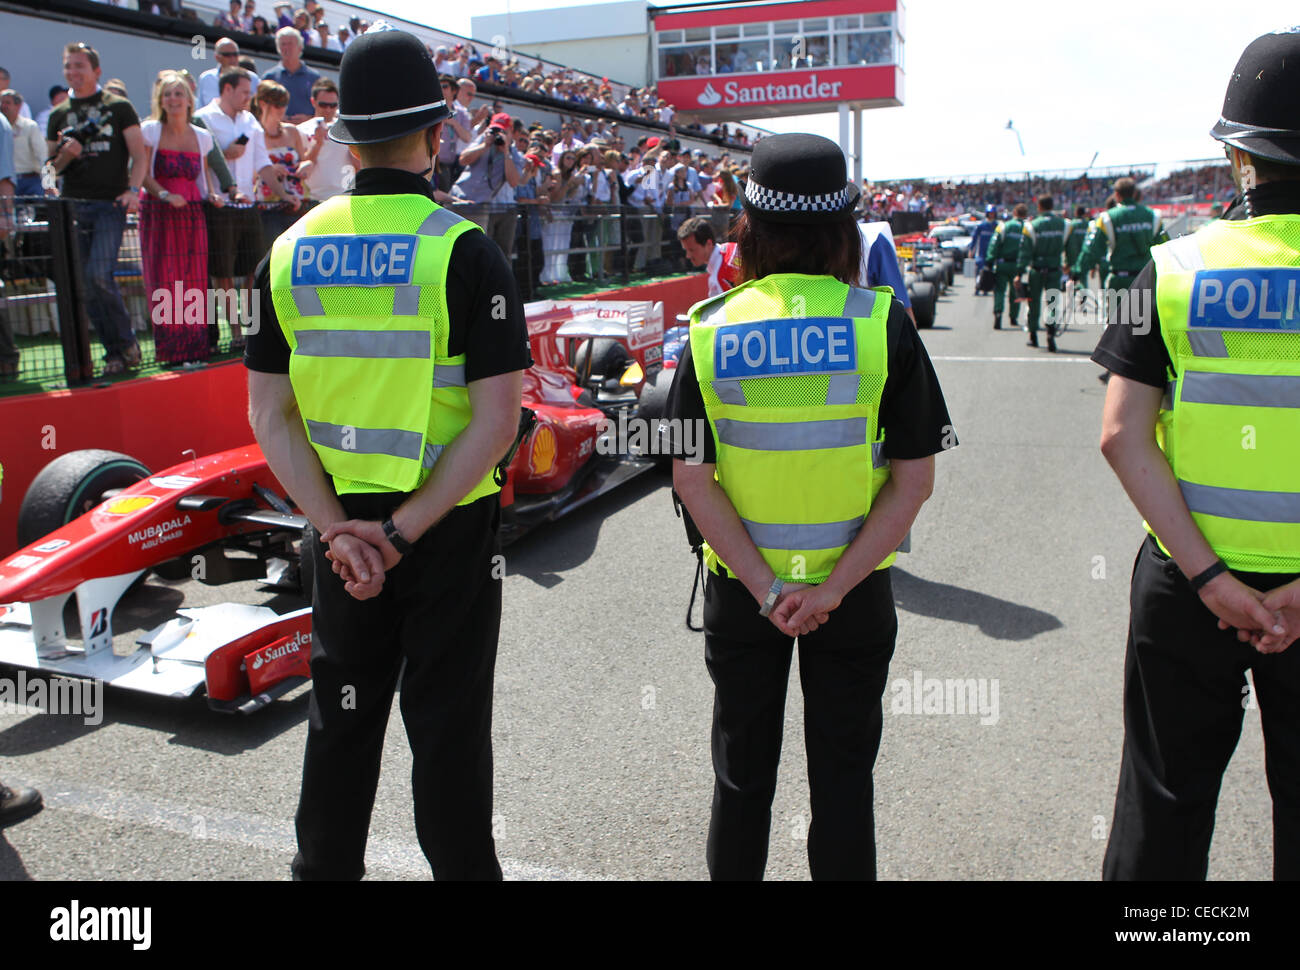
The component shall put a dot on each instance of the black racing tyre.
(307, 561)
(70, 486)
(923, 300)
(609, 358)
(654, 396)
(949, 272)
(934, 276)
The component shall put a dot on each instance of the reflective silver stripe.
(729, 392)
(1186, 253)
(843, 388)
(448, 375)
(859, 302)
(1241, 503)
(715, 315)
(794, 436)
(363, 343)
(431, 454)
(307, 300)
(438, 223)
(366, 441)
(820, 535)
(878, 459)
(1207, 343)
(1241, 390)
(395, 114)
(406, 300)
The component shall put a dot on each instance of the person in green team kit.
(1041, 243)
(1125, 232)
(1076, 230)
(1004, 251)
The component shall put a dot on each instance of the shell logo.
(709, 96)
(541, 458)
(125, 506)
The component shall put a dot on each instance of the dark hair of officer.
(699, 227)
(1125, 189)
(1045, 203)
(1080, 212)
(798, 211)
(1021, 210)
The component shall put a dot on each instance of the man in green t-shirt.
(96, 144)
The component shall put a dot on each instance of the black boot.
(1051, 339)
(997, 321)
(1033, 339)
(18, 804)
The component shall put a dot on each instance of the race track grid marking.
(383, 856)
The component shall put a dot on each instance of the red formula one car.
(93, 523)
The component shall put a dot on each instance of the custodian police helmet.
(1261, 110)
(388, 87)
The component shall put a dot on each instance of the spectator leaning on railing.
(492, 170)
(95, 142)
(173, 235)
(235, 244)
(330, 161)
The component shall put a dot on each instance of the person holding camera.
(95, 143)
(492, 170)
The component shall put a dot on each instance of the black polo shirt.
(913, 413)
(1143, 357)
(489, 330)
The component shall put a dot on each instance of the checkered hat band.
(770, 200)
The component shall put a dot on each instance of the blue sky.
(1133, 81)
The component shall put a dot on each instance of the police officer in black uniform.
(409, 587)
(1185, 690)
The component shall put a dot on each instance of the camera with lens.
(498, 139)
(81, 133)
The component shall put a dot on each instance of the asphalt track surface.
(1018, 575)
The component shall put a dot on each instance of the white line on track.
(385, 858)
(1020, 360)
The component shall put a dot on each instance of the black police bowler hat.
(799, 178)
(388, 87)
(1261, 108)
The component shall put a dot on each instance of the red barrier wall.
(153, 419)
(156, 418)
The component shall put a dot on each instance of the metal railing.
(179, 281)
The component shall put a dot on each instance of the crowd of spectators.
(221, 163)
(1210, 182)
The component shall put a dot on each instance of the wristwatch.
(396, 538)
(773, 592)
(163, 195)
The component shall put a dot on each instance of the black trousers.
(435, 625)
(1185, 695)
(843, 667)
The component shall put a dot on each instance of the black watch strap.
(395, 537)
(1200, 579)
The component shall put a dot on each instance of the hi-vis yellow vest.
(792, 369)
(1229, 303)
(359, 286)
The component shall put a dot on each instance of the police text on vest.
(375, 260)
(772, 348)
(1246, 299)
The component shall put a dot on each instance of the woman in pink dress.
(173, 232)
